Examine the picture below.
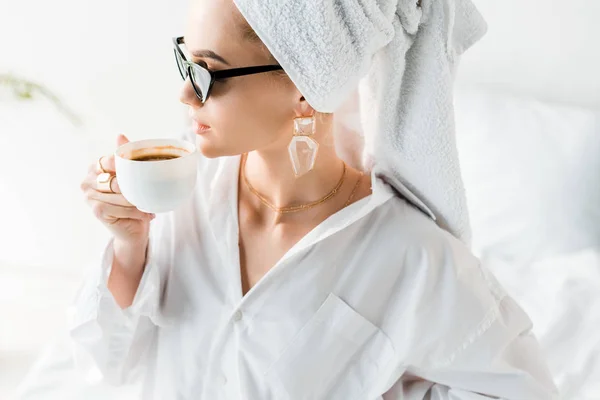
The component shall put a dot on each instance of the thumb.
(121, 140)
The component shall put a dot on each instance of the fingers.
(110, 198)
(114, 186)
(107, 163)
(109, 207)
(121, 140)
(104, 164)
(90, 183)
(110, 213)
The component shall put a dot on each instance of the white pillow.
(532, 175)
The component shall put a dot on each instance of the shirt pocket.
(336, 355)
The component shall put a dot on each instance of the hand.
(129, 225)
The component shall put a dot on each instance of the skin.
(250, 114)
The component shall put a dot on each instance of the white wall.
(111, 60)
(545, 48)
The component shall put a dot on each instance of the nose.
(188, 96)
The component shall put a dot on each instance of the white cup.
(157, 186)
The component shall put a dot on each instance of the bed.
(532, 175)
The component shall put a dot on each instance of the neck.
(271, 174)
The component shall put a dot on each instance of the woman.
(288, 274)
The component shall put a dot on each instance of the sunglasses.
(203, 79)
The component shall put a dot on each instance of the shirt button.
(222, 379)
(237, 316)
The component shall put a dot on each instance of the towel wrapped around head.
(400, 55)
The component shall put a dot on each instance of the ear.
(303, 109)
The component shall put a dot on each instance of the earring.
(303, 149)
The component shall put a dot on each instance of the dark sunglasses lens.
(180, 65)
(201, 79)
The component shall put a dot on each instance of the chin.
(210, 149)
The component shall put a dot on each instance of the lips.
(199, 127)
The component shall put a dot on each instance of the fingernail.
(152, 216)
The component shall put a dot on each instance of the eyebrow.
(209, 54)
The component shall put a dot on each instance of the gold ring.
(104, 182)
(99, 165)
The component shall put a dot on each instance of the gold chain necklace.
(353, 190)
(290, 209)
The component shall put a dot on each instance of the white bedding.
(532, 177)
(536, 217)
(54, 377)
(562, 296)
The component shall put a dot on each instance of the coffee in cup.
(156, 175)
(155, 157)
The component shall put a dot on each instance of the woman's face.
(246, 113)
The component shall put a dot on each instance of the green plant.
(24, 90)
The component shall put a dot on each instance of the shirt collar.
(224, 195)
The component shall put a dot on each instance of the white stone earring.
(303, 149)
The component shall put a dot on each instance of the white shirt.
(376, 302)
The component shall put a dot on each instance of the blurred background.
(75, 74)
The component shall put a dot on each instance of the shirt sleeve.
(109, 342)
(504, 362)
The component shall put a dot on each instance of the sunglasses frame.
(214, 75)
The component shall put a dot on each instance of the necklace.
(289, 209)
(353, 190)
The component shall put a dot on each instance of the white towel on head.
(401, 57)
